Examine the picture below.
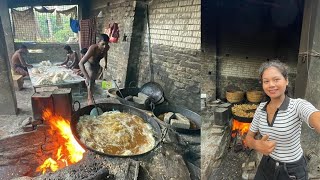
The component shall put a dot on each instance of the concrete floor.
(11, 124)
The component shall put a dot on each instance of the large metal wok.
(192, 116)
(110, 107)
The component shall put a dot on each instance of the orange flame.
(69, 151)
(240, 127)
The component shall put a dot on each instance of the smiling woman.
(279, 121)
(274, 79)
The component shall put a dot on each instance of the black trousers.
(270, 169)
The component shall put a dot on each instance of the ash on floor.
(231, 166)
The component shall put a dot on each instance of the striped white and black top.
(285, 128)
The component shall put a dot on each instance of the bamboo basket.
(254, 96)
(234, 96)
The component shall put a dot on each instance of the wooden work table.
(42, 76)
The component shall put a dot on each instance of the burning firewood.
(238, 143)
(238, 133)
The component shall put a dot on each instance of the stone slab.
(168, 116)
(180, 124)
(221, 116)
(213, 147)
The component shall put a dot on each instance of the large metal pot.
(110, 107)
(242, 119)
(153, 90)
(192, 116)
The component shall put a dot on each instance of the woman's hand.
(265, 146)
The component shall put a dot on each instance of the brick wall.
(238, 64)
(121, 12)
(175, 46)
(233, 66)
(246, 39)
(243, 73)
(176, 23)
(209, 71)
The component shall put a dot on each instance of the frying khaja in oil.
(116, 133)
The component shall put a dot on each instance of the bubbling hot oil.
(116, 133)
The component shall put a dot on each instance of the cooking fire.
(68, 150)
(238, 133)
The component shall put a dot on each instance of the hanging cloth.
(74, 25)
(24, 24)
(87, 32)
(113, 33)
(72, 12)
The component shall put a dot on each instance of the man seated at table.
(19, 65)
(72, 59)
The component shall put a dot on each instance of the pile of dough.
(67, 76)
(44, 81)
(35, 71)
(45, 63)
(42, 69)
(57, 79)
(52, 74)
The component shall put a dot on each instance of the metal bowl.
(153, 90)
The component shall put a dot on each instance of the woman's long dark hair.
(282, 69)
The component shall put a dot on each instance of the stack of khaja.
(177, 120)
